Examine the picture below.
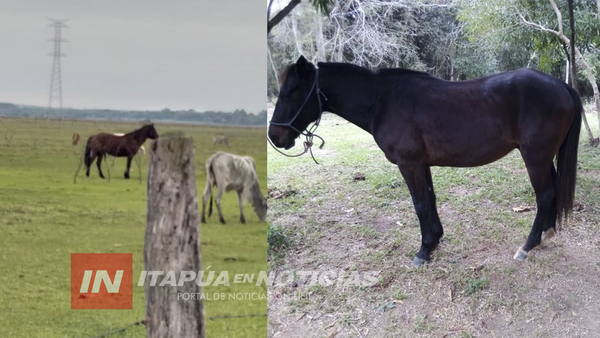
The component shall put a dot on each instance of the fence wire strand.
(143, 322)
(121, 330)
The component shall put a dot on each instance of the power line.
(56, 78)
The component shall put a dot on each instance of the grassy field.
(323, 219)
(44, 217)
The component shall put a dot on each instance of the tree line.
(237, 117)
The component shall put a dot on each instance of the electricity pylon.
(56, 79)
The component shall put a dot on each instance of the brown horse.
(420, 121)
(75, 138)
(103, 144)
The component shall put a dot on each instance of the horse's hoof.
(203, 220)
(521, 255)
(548, 234)
(243, 220)
(222, 220)
(418, 262)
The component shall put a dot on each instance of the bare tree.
(320, 5)
(370, 32)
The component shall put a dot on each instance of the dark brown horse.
(420, 121)
(103, 144)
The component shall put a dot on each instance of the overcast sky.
(137, 54)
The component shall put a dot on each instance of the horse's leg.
(98, 164)
(420, 185)
(542, 179)
(129, 158)
(88, 164)
(550, 226)
(218, 203)
(207, 194)
(241, 203)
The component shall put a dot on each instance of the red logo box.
(101, 281)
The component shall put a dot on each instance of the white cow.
(232, 172)
(221, 139)
(142, 149)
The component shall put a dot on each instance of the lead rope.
(310, 132)
(307, 144)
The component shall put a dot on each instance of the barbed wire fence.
(108, 162)
(126, 330)
(79, 154)
(137, 159)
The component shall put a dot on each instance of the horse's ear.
(301, 61)
(303, 66)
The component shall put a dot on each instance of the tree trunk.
(598, 5)
(282, 14)
(573, 68)
(172, 227)
(274, 70)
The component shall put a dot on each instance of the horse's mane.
(358, 70)
(402, 71)
(348, 67)
(138, 130)
(283, 75)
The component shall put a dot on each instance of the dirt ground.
(353, 213)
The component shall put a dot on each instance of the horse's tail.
(88, 149)
(566, 162)
(259, 202)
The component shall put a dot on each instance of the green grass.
(44, 217)
(277, 240)
(476, 285)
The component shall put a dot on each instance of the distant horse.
(142, 149)
(420, 121)
(232, 172)
(103, 144)
(221, 139)
(75, 138)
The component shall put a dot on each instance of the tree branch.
(282, 14)
(269, 10)
(558, 16)
(598, 4)
(538, 26)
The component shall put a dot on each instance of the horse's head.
(297, 105)
(151, 132)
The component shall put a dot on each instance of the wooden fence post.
(171, 244)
